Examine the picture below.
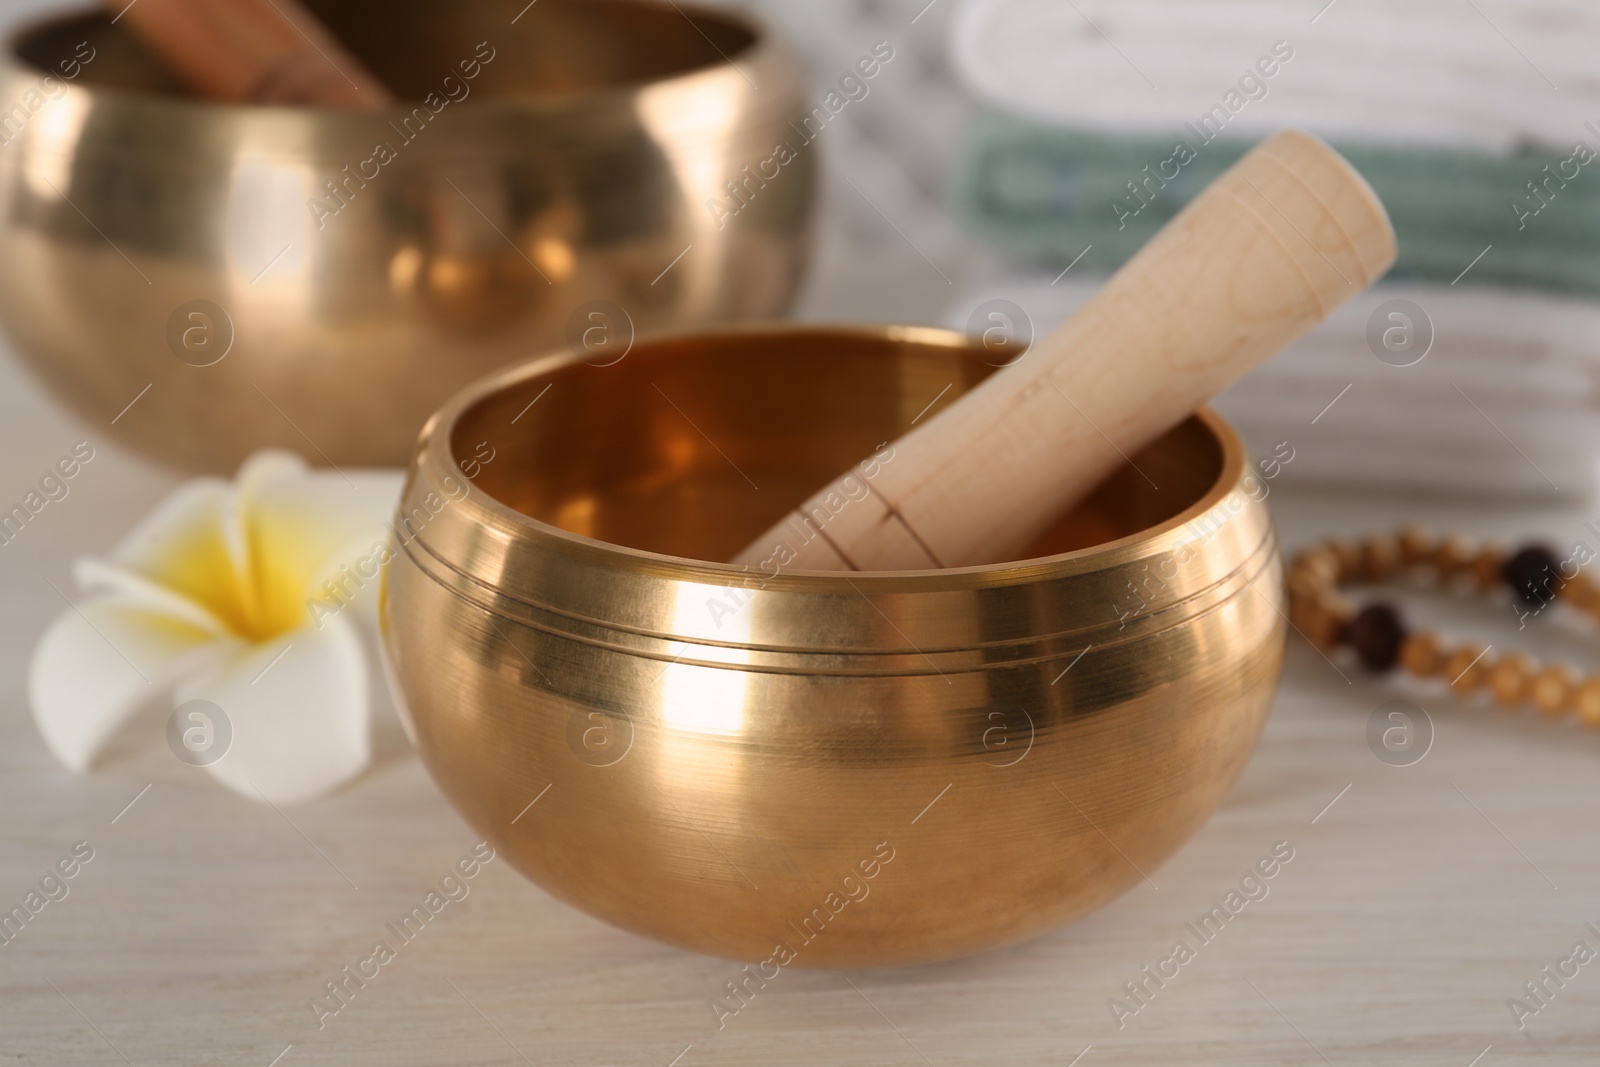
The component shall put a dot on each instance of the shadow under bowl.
(322, 280)
(819, 769)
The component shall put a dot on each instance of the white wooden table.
(1415, 906)
(1419, 899)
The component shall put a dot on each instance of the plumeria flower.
(258, 596)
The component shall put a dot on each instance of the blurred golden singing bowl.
(323, 280)
(863, 769)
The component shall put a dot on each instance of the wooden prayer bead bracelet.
(1382, 641)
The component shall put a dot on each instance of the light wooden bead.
(1453, 556)
(1417, 544)
(1588, 702)
(1466, 668)
(1582, 593)
(1300, 608)
(1511, 680)
(1348, 553)
(1326, 620)
(1306, 582)
(1423, 654)
(1487, 566)
(1380, 557)
(1318, 563)
(1554, 689)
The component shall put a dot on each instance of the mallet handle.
(1273, 246)
(253, 51)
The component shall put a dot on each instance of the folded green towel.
(1046, 193)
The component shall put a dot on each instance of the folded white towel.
(1506, 403)
(1479, 74)
(1508, 400)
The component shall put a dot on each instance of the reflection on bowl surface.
(322, 280)
(863, 769)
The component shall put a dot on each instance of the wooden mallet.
(1273, 246)
(252, 51)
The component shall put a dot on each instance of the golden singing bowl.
(864, 769)
(262, 276)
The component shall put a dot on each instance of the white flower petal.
(302, 526)
(99, 663)
(268, 465)
(99, 576)
(315, 510)
(192, 544)
(348, 580)
(299, 711)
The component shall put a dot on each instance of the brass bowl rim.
(435, 460)
(764, 43)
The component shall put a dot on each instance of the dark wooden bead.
(1377, 634)
(1533, 573)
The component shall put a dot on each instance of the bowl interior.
(694, 446)
(554, 47)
